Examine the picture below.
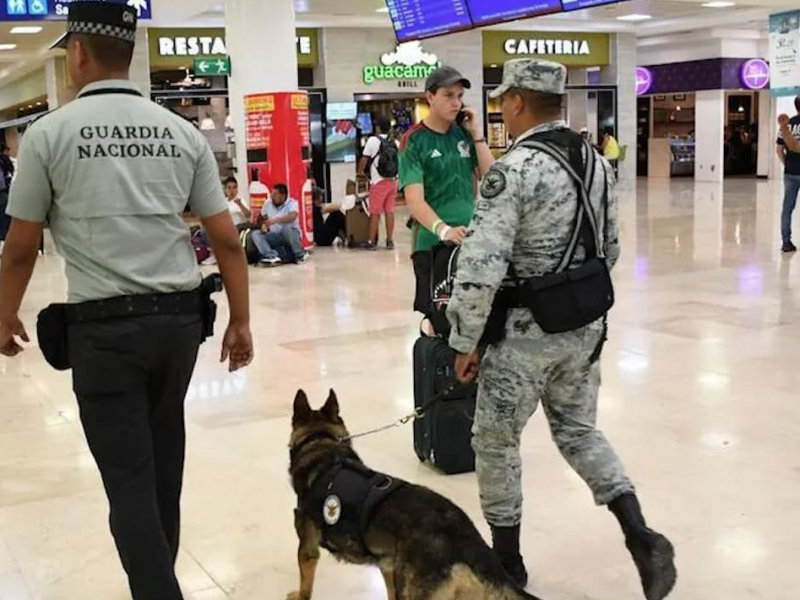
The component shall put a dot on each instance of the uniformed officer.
(111, 173)
(526, 217)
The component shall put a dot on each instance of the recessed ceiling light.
(719, 4)
(635, 18)
(7, 46)
(385, 9)
(25, 29)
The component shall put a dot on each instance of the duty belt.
(181, 303)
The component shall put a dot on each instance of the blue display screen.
(37, 10)
(581, 4)
(417, 19)
(485, 12)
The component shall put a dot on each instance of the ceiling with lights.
(24, 50)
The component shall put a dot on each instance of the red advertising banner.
(278, 141)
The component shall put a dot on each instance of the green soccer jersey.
(444, 163)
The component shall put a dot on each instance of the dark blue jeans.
(288, 237)
(791, 187)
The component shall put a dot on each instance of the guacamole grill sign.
(408, 62)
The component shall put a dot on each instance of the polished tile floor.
(700, 397)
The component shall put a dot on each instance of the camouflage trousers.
(515, 377)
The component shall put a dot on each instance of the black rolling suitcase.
(443, 436)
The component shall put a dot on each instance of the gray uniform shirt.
(112, 174)
(526, 216)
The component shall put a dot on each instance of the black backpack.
(388, 163)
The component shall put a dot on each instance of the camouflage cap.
(534, 75)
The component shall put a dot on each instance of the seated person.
(609, 145)
(240, 213)
(239, 210)
(327, 230)
(280, 228)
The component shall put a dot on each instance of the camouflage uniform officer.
(526, 217)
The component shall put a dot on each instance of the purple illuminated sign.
(755, 74)
(644, 80)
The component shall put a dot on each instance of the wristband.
(445, 230)
(480, 141)
(435, 226)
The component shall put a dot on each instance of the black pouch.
(571, 300)
(211, 285)
(51, 329)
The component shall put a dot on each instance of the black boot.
(506, 545)
(652, 552)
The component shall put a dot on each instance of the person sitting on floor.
(240, 213)
(327, 230)
(280, 228)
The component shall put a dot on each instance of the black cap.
(96, 17)
(445, 77)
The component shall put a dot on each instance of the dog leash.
(415, 416)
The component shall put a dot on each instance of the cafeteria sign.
(408, 62)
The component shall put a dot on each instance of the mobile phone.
(462, 116)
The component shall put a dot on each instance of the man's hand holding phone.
(468, 119)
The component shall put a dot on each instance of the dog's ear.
(331, 408)
(302, 409)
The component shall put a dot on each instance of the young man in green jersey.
(440, 163)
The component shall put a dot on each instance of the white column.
(766, 143)
(261, 43)
(140, 66)
(55, 75)
(710, 131)
(622, 73)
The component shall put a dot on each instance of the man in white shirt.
(240, 213)
(239, 210)
(381, 155)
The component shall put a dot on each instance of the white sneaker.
(270, 262)
(209, 262)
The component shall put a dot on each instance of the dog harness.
(343, 499)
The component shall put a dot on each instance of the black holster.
(51, 329)
(210, 285)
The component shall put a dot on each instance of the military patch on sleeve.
(494, 183)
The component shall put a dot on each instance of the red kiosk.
(278, 140)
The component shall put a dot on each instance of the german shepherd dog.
(424, 545)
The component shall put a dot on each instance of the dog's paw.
(297, 596)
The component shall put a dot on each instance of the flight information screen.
(418, 19)
(485, 12)
(581, 4)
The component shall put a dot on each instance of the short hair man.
(790, 158)
(381, 157)
(326, 230)
(280, 228)
(440, 161)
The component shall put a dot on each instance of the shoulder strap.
(586, 226)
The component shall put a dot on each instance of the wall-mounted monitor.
(365, 123)
(419, 19)
(570, 5)
(486, 12)
(340, 142)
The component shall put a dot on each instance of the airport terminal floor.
(699, 396)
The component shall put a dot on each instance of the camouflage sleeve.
(485, 256)
(612, 244)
